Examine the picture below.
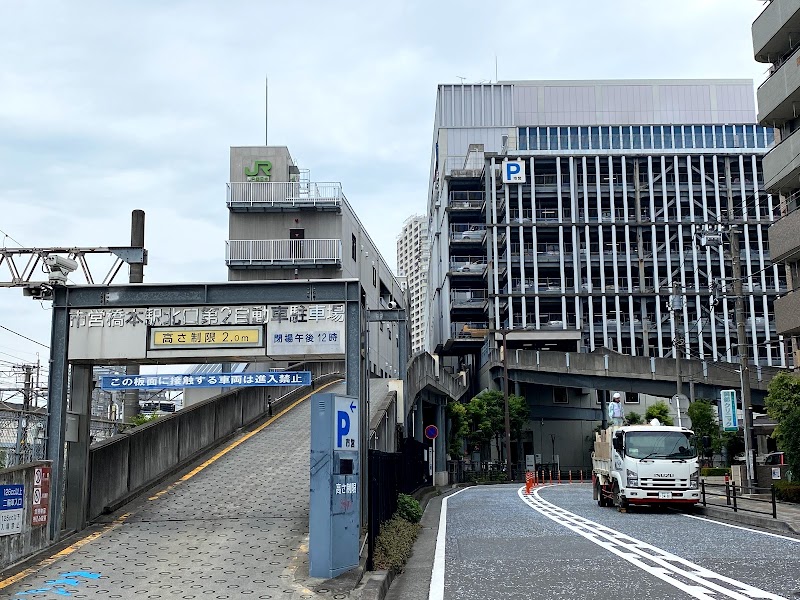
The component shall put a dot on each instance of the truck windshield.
(658, 444)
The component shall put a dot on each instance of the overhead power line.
(24, 337)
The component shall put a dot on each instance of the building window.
(560, 395)
(374, 277)
(631, 398)
(353, 250)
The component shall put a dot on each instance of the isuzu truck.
(645, 464)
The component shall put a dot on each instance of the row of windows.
(646, 137)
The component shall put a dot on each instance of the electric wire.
(24, 336)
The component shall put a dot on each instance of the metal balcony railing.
(466, 200)
(282, 252)
(468, 298)
(469, 331)
(284, 193)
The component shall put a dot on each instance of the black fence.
(737, 498)
(391, 474)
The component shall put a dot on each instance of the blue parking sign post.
(335, 510)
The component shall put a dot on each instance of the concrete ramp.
(234, 527)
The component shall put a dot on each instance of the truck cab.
(645, 464)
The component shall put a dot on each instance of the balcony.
(778, 95)
(787, 314)
(465, 202)
(782, 165)
(775, 28)
(473, 299)
(284, 196)
(473, 332)
(784, 243)
(258, 254)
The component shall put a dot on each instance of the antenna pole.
(495, 69)
(266, 110)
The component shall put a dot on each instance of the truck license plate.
(665, 495)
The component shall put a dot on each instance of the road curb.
(378, 585)
(745, 519)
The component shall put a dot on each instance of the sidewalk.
(749, 512)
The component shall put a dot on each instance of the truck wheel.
(601, 502)
(620, 502)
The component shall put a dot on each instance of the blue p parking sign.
(345, 424)
(514, 171)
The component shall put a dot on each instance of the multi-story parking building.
(775, 42)
(412, 266)
(621, 179)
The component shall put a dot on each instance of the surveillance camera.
(392, 305)
(61, 263)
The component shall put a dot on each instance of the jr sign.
(259, 172)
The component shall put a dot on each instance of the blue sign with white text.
(161, 382)
(11, 497)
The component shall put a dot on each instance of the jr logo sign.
(260, 171)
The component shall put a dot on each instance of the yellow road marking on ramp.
(241, 440)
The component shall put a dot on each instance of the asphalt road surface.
(557, 543)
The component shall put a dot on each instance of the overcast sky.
(107, 106)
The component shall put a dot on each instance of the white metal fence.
(292, 193)
(256, 252)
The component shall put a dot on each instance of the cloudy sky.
(107, 106)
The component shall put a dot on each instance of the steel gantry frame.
(79, 382)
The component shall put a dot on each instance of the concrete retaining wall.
(17, 546)
(126, 464)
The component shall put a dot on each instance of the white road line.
(689, 577)
(777, 535)
(436, 591)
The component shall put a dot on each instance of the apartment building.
(412, 267)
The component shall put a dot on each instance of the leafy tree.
(704, 423)
(658, 410)
(459, 428)
(486, 417)
(633, 418)
(783, 405)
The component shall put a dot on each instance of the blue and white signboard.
(727, 408)
(163, 382)
(345, 424)
(11, 501)
(514, 171)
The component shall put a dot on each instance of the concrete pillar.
(78, 418)
(440, 468)
(418, 424)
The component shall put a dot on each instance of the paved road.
(236, 529)
(559, 544)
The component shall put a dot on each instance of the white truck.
(645, 464)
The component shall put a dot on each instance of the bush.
(395, 543)
(408, 508)
(714, 471)
(787, 491)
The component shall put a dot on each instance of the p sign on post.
(345, 425)
(514, 171)
(727, 407)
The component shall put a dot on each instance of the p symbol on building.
(514, 171)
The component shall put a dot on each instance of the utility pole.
(676, 305)
(741, 336)
(135, 275)
(505, 405)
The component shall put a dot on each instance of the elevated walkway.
(620, 372)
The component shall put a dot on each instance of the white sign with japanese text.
(292, 330)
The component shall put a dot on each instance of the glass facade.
(646, 137)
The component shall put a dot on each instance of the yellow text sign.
(163, 338)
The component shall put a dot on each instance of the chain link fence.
(23, 437)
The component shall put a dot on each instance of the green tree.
(459, 428)
(633, 418)
(658, 410)
(704, 423)
(783, 405)
(486, 417)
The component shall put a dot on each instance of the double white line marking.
(693, 579)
